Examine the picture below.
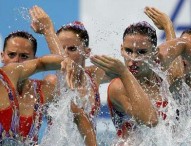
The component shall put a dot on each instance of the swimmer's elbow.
(153, 121)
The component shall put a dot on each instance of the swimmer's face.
(73, 47)
(18, 49)
(135, 49)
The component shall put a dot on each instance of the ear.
(87, 52)
(2, 57)
(122, 50)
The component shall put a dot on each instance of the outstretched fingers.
(148, 11)
(156, 11)
(98, 60)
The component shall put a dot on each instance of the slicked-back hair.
(187, 31)
(22, 34)
(77, 28)
(143, 28)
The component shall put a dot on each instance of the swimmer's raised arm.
(169, 50)
(41, 23)
(162, 21)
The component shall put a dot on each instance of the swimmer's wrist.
(124, 73)
(49, 31)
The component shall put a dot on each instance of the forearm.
(53, 42)
(45, 63)
(87, 133)
(41, 23)
(86, 129)
(49, 62)
(142, 108)
(169, 31)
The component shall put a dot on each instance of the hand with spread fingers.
(71, 69)
(112, 67)
(159, 18)
(41, 23)
(162, 21)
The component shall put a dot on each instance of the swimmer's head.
(74, 39)
(143, 28)
(186, 34)
(22, 34)
(139, 41)
(77, 28)
(18, 46)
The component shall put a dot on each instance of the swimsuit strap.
(94, 86)
(10, 89)
(110, 106)
(37, 116)
(38, 93)
(96, 107)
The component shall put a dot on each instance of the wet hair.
(143, 28)
(77, 28)
(187, 31)
(22, 34)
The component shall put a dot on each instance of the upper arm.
(79, 114)
(116, 95)
(168, 51)
(25, 69)
(137, 104)
(45, 63)
(176, 70)
(169, 29)
(84, 125)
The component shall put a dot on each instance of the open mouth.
(133, 69)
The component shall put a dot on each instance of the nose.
(65, 51)
(133, 56)
(132, 62)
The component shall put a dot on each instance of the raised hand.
(72, 70)
(40, 21)
(160, 19)
(112, 67)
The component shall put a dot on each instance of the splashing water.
(63, 131)
(24, 13)
(175, 130)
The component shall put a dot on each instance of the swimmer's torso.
(20, 113)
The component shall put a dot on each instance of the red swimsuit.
(13, 125)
